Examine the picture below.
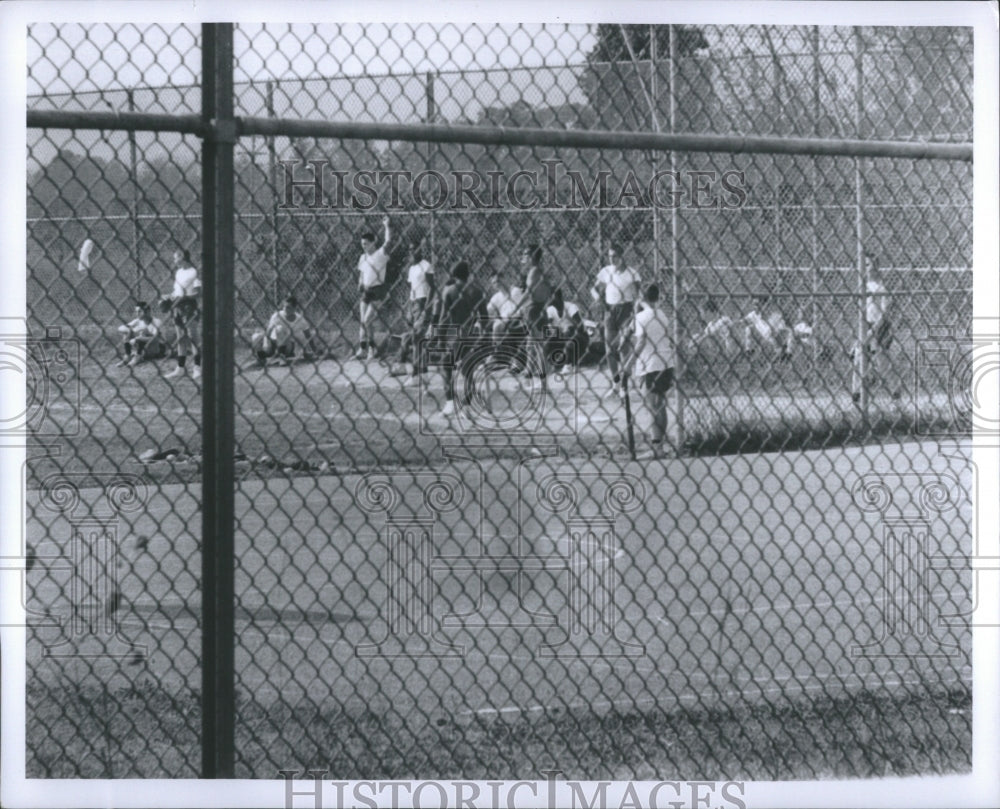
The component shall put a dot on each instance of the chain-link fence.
(479, 549)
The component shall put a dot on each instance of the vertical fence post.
(675, 286)
(862, 358)
(218, 703)
(272, 169)
(430, 116)
(600, 235)
(814, 319)
(654, 123)
(134, 201)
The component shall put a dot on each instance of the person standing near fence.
(618, 285)
(371, 287)
(533, 305)
(183, 305)
(652, 362)
(460, 319)
(879, 337)
(419, 309)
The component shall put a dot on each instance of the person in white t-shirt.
(142, 337)
(507, 331)
(879, 338)
(618, 285)
(287, 332)
(717, 335)
(767, 328)
(371, 287)
(419, 308)
(184, 305)
(569, 339)
(652, 362)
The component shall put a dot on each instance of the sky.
(78, 58)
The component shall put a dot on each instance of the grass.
(142, 731)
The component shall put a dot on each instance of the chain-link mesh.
(113, 536)
(485, 582)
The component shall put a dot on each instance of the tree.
(617, 82)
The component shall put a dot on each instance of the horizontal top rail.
(189, 124)
(506, 136)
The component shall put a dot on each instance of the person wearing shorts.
(371, 287)
(419, 308)
(184, 307)
(506, 331)
(652, 361)
(618, 285)
(879, 338)
(460, 316)
(533, 306)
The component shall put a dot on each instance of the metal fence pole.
(862, 358)
(272, 168)
(676, 289)
(134, 201)
(430, 116)
(654, 123)
(817, 105)
(218, 638)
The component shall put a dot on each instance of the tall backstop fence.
(390, 548)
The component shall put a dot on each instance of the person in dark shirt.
(460, 316)
(532, 308)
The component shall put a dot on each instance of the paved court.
(544, 583)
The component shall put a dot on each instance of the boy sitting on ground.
(142, 337)
(287, 332)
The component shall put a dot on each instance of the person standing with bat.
(652, 363)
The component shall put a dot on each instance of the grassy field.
(740, 588)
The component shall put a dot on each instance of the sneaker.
(178, 371)
(567, 370)
(412, 380)
(448, 409)
(371, 354)
(121, 362)
(196, 372)
(400, 370)
(134, 361)
(359, 354)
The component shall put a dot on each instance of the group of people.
(143, 337)
(525, 325)
(764, 329)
